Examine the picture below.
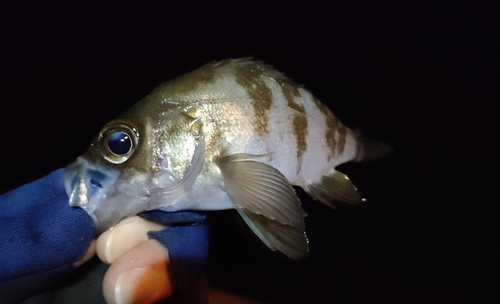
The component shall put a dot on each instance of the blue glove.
(186, 239)
(185, 236)
(42, 236)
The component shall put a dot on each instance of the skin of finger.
(91, 250)
(153, 286)
(123, 237)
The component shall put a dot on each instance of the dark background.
(420, 77)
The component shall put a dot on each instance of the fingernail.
(122, 239)
(139, 285)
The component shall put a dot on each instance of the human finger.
(185, 234)
(139, 276)
(91, 250)
(120, 239)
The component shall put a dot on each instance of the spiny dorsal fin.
(248, 65)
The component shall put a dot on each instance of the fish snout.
(86, 186)
(75, 185)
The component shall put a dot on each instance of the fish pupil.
(119, 143)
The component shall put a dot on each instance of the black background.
(420, 77)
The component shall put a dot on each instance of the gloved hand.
(142, 268)
(43, 238)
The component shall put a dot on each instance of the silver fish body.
(232, 134)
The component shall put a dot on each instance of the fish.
(233, 134)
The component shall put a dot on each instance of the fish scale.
(234, 134)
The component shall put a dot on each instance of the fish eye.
(117, 142)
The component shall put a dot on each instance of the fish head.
(130, 167)
(95, 181)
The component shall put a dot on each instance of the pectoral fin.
(336, 187)
(291, 240)
(267, 202)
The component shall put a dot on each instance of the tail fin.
(370, 148)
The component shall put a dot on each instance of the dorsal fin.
(249, 66)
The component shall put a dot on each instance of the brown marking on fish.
(189, 82)
(335, 126)
(300, 131)
(299, 119)
(260, 94)
(321, 106)
(290, 92)
(216, 141)
(332, 125)
(172, 94)
(342, 130)
(330, 137)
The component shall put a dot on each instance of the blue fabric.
(186, 235)
(41, 237)
(187, 243)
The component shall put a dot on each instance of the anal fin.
(332, 188)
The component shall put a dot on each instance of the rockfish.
(233, 134)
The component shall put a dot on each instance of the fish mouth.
(87, 186)
(74, 183)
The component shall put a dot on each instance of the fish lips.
(87, 187)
